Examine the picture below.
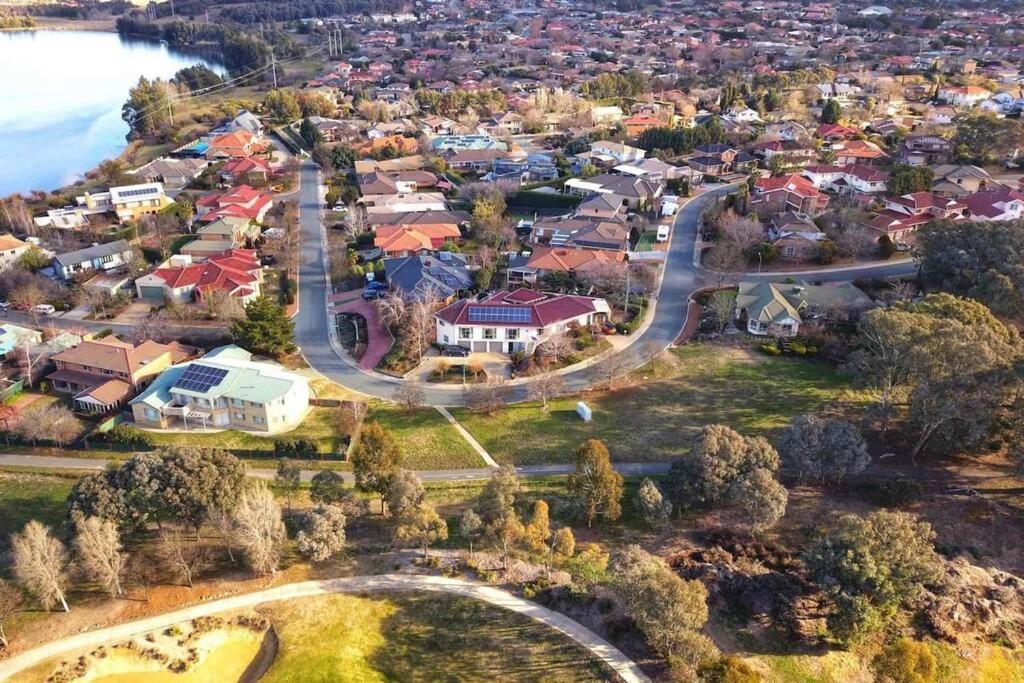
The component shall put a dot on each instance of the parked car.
(43, 309)
(662, 233)
(454, 350)
(267, 260)
(371, 294)
(378, 285)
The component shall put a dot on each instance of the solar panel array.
(499, 314)
(137, 193)
(447, 278)
(200, 378)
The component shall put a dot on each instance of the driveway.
(379, 339)
(595, 644)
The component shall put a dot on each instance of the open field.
(25, 496)
(427, 440)
(654, 418)
(417, 637)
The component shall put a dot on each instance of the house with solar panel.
(507, 322)
(127, 202)
(225, 389)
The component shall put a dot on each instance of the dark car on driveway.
(371, 294)
(377, 285)
(454, 350)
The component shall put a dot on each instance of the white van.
(663, 233)
(43, 309)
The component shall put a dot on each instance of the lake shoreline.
(62, 24)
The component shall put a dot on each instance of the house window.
(237, 402)
(465, 333)
(490, 333)
(512, 333)
(257, 419)
(240, 416)
(151, 414)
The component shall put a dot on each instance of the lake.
(62, 93)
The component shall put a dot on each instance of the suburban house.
(637, 124)
(222, 234)
(657, 171)
(445, 143)
(238, 202)
(104, 373)
(127, 202)
(442, 274)
(778, 310)
(247, 170)
(790, 152)
(1002, 204)
(225, 389)
(170, 172)
(473, 160)
(787, 193)
(396, 182)
(528, 267)
(109, 256)
(507, 322)
(406, 202)
(14, 336)
(717, 160)
(621, 153)
(581, 232)
(237, 143)
(795, 236)
(902, 216)
(925, 150)
(634, 192)
(11, 249)
(963, 95)
(409, 240)
(858, 152)
(236, 272)
(244, 120)
(958, 180)
(834, 132)
(845, 180)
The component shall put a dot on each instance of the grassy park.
(665, 403)
(419, 637)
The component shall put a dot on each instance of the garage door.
(152, 294)
(495, 347)
(479, 346)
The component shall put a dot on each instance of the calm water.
(60, 101)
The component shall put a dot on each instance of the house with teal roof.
(225, 389)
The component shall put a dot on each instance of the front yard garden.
(653, 419)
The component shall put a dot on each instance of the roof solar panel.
(499, 314)
(200, 378)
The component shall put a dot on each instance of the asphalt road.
(312, 321)
(70, 463)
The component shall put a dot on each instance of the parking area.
(378, 338)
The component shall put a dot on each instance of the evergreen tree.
(266, 328)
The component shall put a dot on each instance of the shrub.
(296, 448)
(826, 253)
(129, 436)
(770, 348)
(798, 347)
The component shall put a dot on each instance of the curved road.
(680, 278)
(598, 646)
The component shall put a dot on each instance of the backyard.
(665, 404)
(399, 638)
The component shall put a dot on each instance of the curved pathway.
(599, 647)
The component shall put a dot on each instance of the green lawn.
(419, 637)
(25, 496)
(428, 441)
(653, 420)
(320, 424)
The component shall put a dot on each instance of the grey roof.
(776, 301)
(443, 273)
(96, 251)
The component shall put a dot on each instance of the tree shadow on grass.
(435, 638)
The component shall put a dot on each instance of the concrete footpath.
(599, 647)
(629, 469)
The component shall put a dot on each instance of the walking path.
(629, 469)
(473, 443)
(599, 647)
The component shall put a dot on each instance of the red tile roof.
(548, 310)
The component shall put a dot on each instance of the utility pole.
(172, 8)
(273, 64)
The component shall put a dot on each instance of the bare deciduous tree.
(726, 260)
(186, 557)
(41, 564)
(721, 307)
(487, 397)
(259, 529)
(393, 310)
(420, 325)
(559, 344)
(409, 395)
(53, 423)
(545, 386)
(611, 368)
(222, 521)
(10, 602)
(98, 549)
(745, 232)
